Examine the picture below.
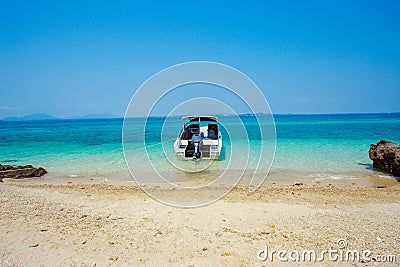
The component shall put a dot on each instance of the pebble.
(158, 232)
(34, 245)
(147, 219)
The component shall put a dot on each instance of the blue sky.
(70, 58)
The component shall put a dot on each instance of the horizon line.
(82, 117)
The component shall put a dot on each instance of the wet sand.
(83, 222)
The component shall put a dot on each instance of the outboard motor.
(196, 139)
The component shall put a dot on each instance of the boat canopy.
(199, 119)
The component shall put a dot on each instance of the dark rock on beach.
(8, 171)
(386, 156)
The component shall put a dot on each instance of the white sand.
(84, 225)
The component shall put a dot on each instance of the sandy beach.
(76, 223)
(221, 133)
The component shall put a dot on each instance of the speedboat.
(199, 138)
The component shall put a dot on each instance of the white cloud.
(6, 108)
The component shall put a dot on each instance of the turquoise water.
(307, 145)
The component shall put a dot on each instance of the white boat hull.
(209, 149)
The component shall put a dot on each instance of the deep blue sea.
(316, 146)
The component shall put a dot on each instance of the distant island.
(95, 116)
(48, 117)
(32, 117)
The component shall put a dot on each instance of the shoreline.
(359, 179)
(92, 222)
